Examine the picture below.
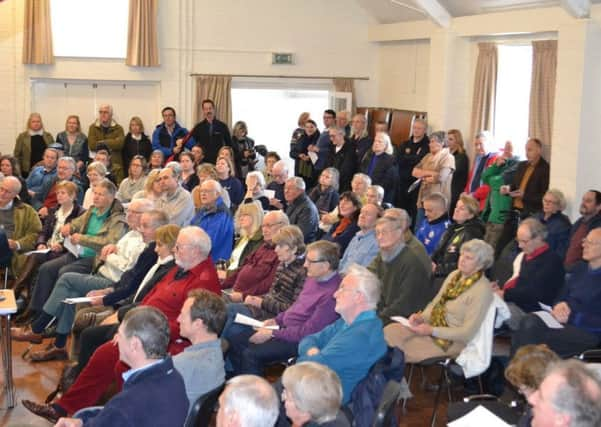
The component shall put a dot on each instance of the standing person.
(323, 147)
(484, 158)
(299, 132)
(166, 135)
(299, 151)
(31, 144)
(344, 158)
(462, 165)
(245, 147)
(409, 155)
(378, 163)
(108, 132)
(211, 134)
(359, 137)
(74, 142)
(136, 143)
(343, 122)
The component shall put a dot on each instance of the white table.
(7, 307)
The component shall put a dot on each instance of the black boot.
(26, 276)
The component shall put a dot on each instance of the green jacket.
(22, 151)
(114, 140)
(496, 204)
(27, 227)
(111, 231)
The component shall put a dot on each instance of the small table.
(8, 306)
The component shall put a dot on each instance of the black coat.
(211, 143)
(446, 254)
(384, 173)
(132, 148)
(345, 161)
(537, 185)
(50, 221)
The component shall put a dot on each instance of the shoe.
(45, 411)
(50, 353)
(26, 334)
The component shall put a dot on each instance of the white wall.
(202, 36)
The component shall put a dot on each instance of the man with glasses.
(19, 226)
(105, 130)
(541, 273)
(194, 270)
(576, 308)
(176, 201)
(405, 280)
(279, 173)
(214, 217)
(167, 133)
(46, 198)
(352, 344)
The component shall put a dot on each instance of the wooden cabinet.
(398, 122)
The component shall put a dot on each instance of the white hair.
(253, 399)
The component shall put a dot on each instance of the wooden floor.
(34, 381)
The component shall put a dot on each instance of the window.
(89, 28)
(514, 74)
(271, 112)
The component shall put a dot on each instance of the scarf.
(456, 287)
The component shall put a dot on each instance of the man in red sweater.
(194, 270)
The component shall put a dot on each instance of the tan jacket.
(113, 139)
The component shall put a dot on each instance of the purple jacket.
(311, 312)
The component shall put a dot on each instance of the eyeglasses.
(271, 225)
(207, 191)
(586, 241)
(181, 246)
(387, 231)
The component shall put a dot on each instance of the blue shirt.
(362, 249)
(350, 350)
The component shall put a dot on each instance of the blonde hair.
(138, 121)
(31, 116)
(291, 236)
(255, 211)
(76, 117)
(68, 186)
(153, 176)
(97, 167)
(230, 164)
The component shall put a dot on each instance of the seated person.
(250, 350)
(405, 281)
(435, 223)
(50, 237)
(204, 171)
(153, 189)
(214, 217)
(345, 229)
(541, 274)
(255, 189)
(247, 400)
(157, 160)
(568, 396)
(100, 225)
(285, 288)
(96, 172)
(453, 317)
(358, 332)
(103, 155)
(558, 224)
(194, 270)
(466, 226)
(363, 248)
(301, 210)
(577, 308)
(248, 222)
(65, 172)
(201, 321)
(135, 181)
(257, 271)
(375, 195)
(226, 175)
(112, 262)
(41, 176)
(20, 225)
(590, 209)
(142, 341)
(411, 241)
(175, 200)
(279, 175)
(312, 395)
(325, 193)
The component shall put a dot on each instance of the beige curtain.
(37, 33)
(485, 83)
(542, 92)
(217, 88)
(142, 43)
(346, 85)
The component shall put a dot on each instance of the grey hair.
(158, 217)
(144, 205)
(109, 106)
(335, 177)
(315, 389)
(253, 399)
(386, 138)
(16, 184)
(151, 327)
(176, 168)
(298, 182)
(379, 191)
(439, 198)
(282, 164)
(259, 176)
(364, 177)
(559, 196)
(339, 131)
(535, 227)
(328, 251)
(367, 283)
(484, 253)
(578, 396)
(400, 215)
(281, 216)
(108, 186)
(199, 237)
(440, 136)
(69, 160)
(97, 167)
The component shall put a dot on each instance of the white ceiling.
(386, 11)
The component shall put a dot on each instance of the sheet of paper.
(549, 320)
(249, 321)
(313, 157)
(478, 417)
(39, 251)
(74, 249)
(270, 194)
(77, 300)
(402, 320)
(545, 307)
(415, 185)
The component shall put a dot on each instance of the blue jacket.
(143, 402)
(582, 293)
(234, 188)
(38, 201)
(558, 232)
(219, 225)
(429, 233)
(38, 179)
(361, 250)
(161, 140)
(349, 350)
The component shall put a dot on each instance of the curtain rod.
(279, 77)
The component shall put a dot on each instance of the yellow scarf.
(457, 286)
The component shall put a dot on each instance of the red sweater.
(257, 273)
(169, 295)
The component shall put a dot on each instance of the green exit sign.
(281, 58)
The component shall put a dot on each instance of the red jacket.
(481, 193)
(256, 274)
(170, 294)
